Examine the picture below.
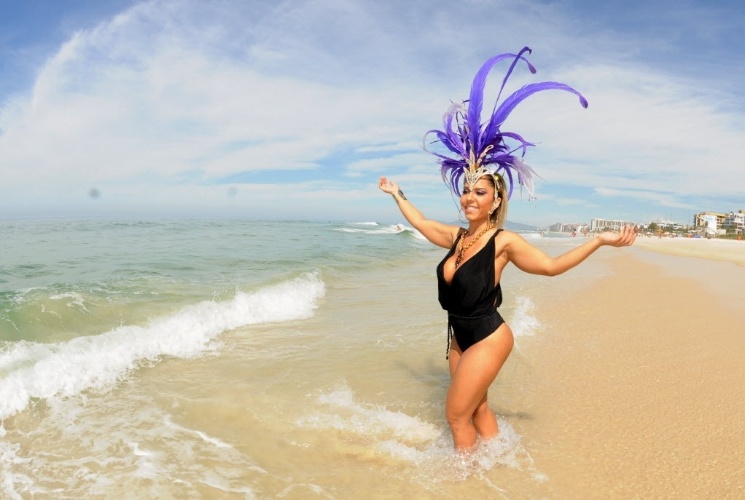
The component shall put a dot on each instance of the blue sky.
(292, 109)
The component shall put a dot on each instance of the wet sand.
(641, 376)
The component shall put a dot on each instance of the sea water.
(255, 359)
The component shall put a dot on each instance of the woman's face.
(477, 200)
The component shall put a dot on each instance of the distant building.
(603, 224)
(701, 219)
(565, 228)
(734, 221)
(668, 224)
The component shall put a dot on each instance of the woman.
(479, 341)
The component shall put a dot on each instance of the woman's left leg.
(485, 421)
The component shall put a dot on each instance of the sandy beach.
(641, 377)
(715, 249)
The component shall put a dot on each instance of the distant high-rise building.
(602, 224)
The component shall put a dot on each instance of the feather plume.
(478, 145)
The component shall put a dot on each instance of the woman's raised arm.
(532, 260)
(440, 234)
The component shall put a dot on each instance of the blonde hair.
(498, 217)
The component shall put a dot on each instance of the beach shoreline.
(639, 378)
(714, 249)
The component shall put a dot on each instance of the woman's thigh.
(474, 370)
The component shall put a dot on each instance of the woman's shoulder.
(506, 234)
(506, 238)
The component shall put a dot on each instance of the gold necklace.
(462, 249)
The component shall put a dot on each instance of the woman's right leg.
(472, 373)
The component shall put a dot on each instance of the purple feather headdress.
(480, 148)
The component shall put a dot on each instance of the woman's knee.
(457, 419)
(482, 409)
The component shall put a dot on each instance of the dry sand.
(642, 378)
(716, 249)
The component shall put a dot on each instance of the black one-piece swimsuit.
(471, 298)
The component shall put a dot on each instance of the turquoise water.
(193, 358)
(64, 279)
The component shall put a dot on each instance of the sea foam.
(379, 434)
(522, 321)
(32, 370)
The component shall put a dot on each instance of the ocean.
(242, 359)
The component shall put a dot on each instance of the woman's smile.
(473, 200)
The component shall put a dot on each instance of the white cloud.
(665, 200)
(171, 97)
(641, 131)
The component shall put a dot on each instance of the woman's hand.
(388, 186)
(624, 238)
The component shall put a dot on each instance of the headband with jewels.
(481, 148)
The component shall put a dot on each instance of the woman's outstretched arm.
(532, 260)
(440, 234)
